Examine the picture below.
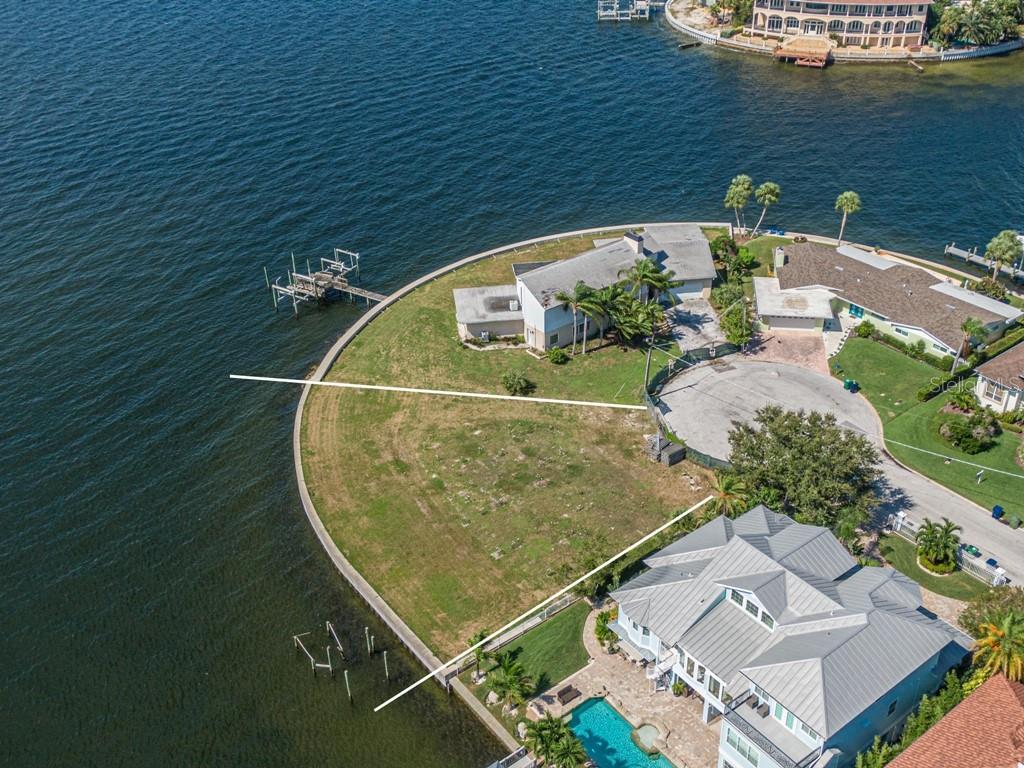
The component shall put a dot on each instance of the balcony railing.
(762, 742)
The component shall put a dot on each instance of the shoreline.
(366, 591)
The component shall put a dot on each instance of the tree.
(735, 323)
(848, 202)
(568, 752)
(880, 754)
(766, 194)
(807, 465)
(634, 321)
(572, 301)
(543, 734)
(1004, 248)
(602, 632)
(480, 653)
(990, 606)
(510, 682)
(938, 543)
(609, 298)
(972, 328)
(647, 280)
(1000, 647)
(593, 308)
(729, 496)
(738, 195)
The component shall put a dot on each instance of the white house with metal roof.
(805, 654)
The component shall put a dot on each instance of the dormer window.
(752, 609)
(767, 620)
(736, 597)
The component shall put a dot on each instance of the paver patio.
(689, 744)
(803, 348)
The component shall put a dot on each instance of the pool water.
(606, 737)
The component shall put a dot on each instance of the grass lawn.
(763, 249)
(549, 653)
(887, 378)
(462, 513)
(902, 555)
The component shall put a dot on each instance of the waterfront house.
(906, 302)
(985, 730)
(1000, 385)
(531, 308)
(805, 655)
(870, 23)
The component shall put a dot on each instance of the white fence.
(988, 50)
(907, 529)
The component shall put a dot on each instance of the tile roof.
(844, 635)
(1006, 368)
(985, 730)
(901, 293)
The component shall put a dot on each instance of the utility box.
(780, 256)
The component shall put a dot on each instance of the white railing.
(907, 529)
(988, 50)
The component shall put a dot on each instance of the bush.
(990, 287)
(679, 688)
(963, 397)
(972, 434)
(516, 383)
(723, 246)
(558, 356)
(865, 329)
(1013, 522)
(940, 568)
(726, 295)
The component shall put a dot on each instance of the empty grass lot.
(462, 513)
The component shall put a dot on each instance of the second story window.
(768, 621)
(892, 707)
(752, 609)
(736, 597)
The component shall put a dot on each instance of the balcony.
(769, 735)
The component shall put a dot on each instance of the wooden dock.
(624, 10)
(1012, 271)
(332, 280)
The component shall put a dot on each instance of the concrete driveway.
(701, 404)
(694, 324)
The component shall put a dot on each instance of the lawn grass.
(549, 653)
(763, 249)
(888, 378)
(462, 513)
(902, 555)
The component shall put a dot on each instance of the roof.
(680, 248)
(772, 301)
(901, 293)
(985, 730)
(1006, 368)
(487, 304)
(844, 635)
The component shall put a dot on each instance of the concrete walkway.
(702, 403)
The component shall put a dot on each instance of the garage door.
(793, 323)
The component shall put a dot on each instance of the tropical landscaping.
(521, 496)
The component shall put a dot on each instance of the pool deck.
(690, 743)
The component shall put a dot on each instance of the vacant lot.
(462, 513)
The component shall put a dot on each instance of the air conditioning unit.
(513, 305)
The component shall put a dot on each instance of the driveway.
(694, 324)
(803, 348)
(701, 404)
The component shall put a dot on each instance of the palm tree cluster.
(552, 740)
(1005, 248)
(738, 195)
(1000, 649)
(509, 681)
(938, 543)
(980, 22)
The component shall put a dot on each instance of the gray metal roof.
(844, 635)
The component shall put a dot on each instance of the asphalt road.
(702, 404)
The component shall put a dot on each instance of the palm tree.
(647, 280)
(938, 543)
(766, 194)
(593, 308)
(510, 682)
(543, 734)
(480, 653)
(568, 752)
(609, 297)
(1004, 248)
(848, 202)
(572, 301)
(729, 496)
(738, 195)
(1001, 646)
(972, 328)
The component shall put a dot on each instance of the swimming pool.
(606, 737)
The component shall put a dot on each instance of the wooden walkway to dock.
(1013, 271)
(331, 280)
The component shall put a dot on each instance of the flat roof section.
(487, 304)
(805, 303)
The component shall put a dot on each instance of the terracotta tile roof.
(1006, 368)
(901, 293)
(986, 730)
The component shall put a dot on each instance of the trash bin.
(997, 512)
(854, 387)
(847, 383)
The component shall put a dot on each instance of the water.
(154, 557)
(606, 736)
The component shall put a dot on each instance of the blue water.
(154, 559)
(606, 736)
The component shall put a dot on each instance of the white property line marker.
(558, 594)
(443, 392)
(953, 458)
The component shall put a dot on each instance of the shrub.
(1013, 522)
(516, 383)
(865, 329)
(972, 434)
(940, 568)
(558, 356)
(726, 295)
(679, 688)
(723, 246)
(990, 287)
(963, 397)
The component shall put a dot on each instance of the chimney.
(635, 242)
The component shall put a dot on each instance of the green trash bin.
(847, 383)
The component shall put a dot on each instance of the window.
(553, 339)
(778, 711)
(768, 621)
(789, 720)
(736, 597)
(742, 746)
(634, 625)
(892, 707)
(700, 673)
(714, 687)
(774, 23)
(840, 9)
(993, 391)
(809, 732)
(646, 632)
(752, 609)
(689, 666)
(760, 693)
(859, 10)
(898, 330)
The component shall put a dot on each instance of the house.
(871, 24)
(904, 301)
(985, 730)
(531, 308)
(1000, 384)
(805, 655)
(805, 310)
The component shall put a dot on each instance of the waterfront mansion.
(874, 24)
(805, 655)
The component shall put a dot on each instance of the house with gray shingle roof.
(806, 655)
(1000, 384)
